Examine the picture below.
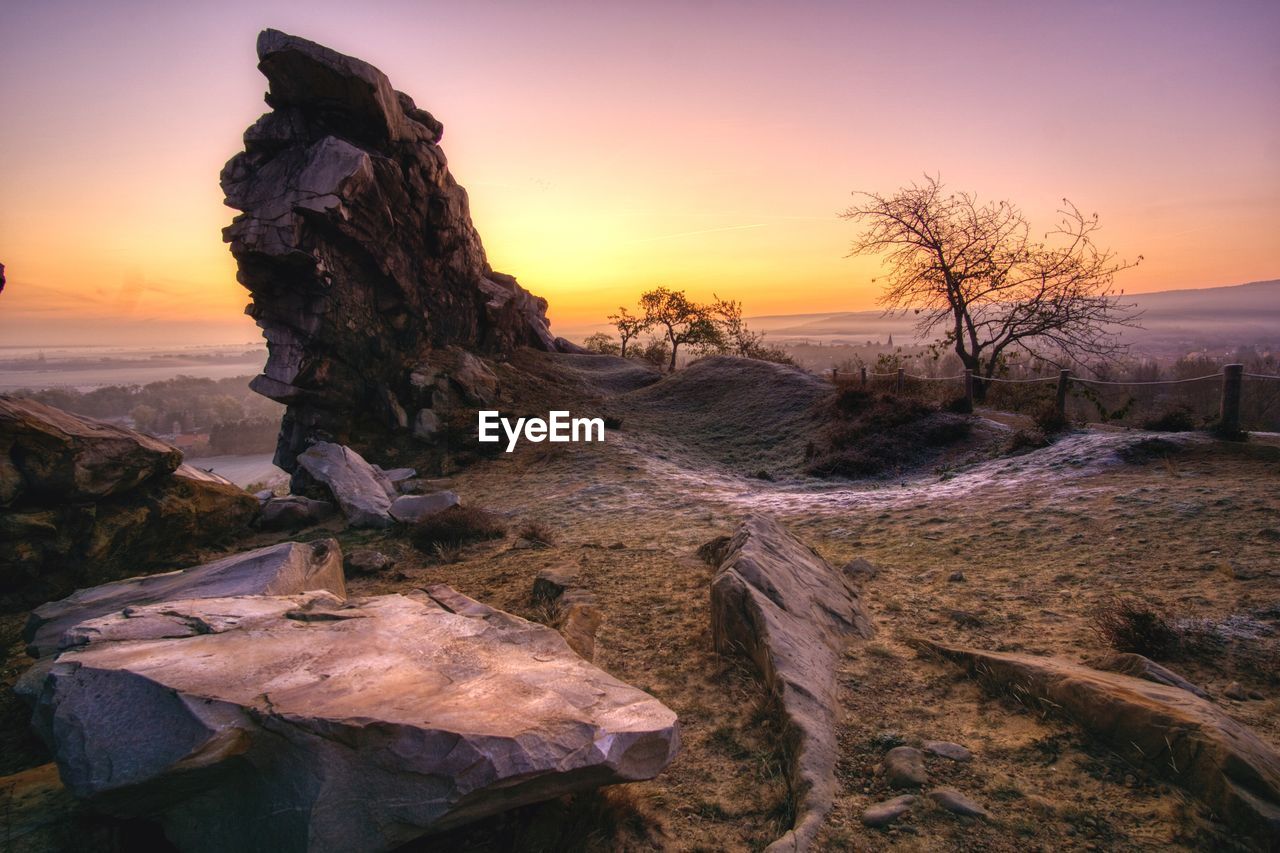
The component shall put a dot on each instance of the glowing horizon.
(609, 149)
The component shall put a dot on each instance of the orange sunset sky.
(609, 147)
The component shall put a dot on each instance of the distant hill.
(1212, 317)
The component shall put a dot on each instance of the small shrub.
(1132, 625)
(1027, 439)
(537, 533)
(455, 527)
(1178, 418)
(446, 552)
(869, 434)
(1049, 420)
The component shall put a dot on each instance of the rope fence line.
(1232, 377)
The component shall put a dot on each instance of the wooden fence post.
(901, 372)
(863, 369)
(834, 373)
(1232, 379)
(1064, 382)
(968, 390)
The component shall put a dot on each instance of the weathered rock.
(776, 600)
(957, 803)
(396, 476)
(264, 495)
(904, 768)
(353, 482)
(1235, 690)
(551, 583)
(410, 509)
(577, 615)
(295, 722)
(1142, 667)
(283, 569)
(860, 570)
(426, 425)
(368, 562)
(1173, 732)
(947, 749)
(357, 246)
(74, 523)
(293, 512)
(883, 814)
(51, 456)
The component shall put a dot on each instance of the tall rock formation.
(358, 249)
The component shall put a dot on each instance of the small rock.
(1256, 695)
(617, 546)
(410, 509)
(860, 570)
(264, 495)
(368, 562)
(956, 577)
(883, 814)
(426, 426)
(957, 803)
(904, 767)
(946, 749)
(396, 475)
(293, 513)
(550, 584)
(1235, 691)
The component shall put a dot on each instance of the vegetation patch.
(869, 434)
(454, 527)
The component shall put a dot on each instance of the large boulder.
(300, 723)
(779, 602)
(49, 456)
(283, 569)
(362, 492)
(357, 247)
(1175, 733)
(87, 502)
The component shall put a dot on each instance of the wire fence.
(1231, 400)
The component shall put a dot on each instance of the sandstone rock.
(295, 722)
(426, 425)
(1173, 732)
(957, 803)
(353, 482)
(904, 768)
(293, 512)
(780, 603)
(50, 546)
(883, 814)
(52, 456)
(368, 562)
(275, 570)
(357, 246)
(395, 476)
(1142, 667)
(410, 509)
(946, 749)
(1236, 691)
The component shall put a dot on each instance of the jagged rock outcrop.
(777, 601)
(357, 246)
(82, 502)
(283, 569)
(1175, 733)
(300, 723)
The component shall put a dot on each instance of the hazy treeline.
(237, 419)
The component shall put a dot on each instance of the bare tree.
(974, 272)
(628, 326)
(683, 320)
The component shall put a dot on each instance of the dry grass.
(1132, 625)
(455, 527)
(538, 533)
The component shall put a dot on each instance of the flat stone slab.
(1175, 733)
(776, 600)
(303, 723)
(410, 509)
(275, 570)
(904, 768)
(957, 803)
(883, 814)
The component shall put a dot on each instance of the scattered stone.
(264, 495)
(293, 512)
(946, 749)
(1257, 695)
(904, 768)
(956, 577)
(426, 425)
(395, 476)
(883, 814)
(617, 546)
(331, 727)
(957, 803)
(1173, 732)
(550, 584)
(860, 570)
(776, 600)
(353, 482)
(1235, 690)
(283, 569)
(410, 509)
(366, 561)
(1142, 667)
(344, 169)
